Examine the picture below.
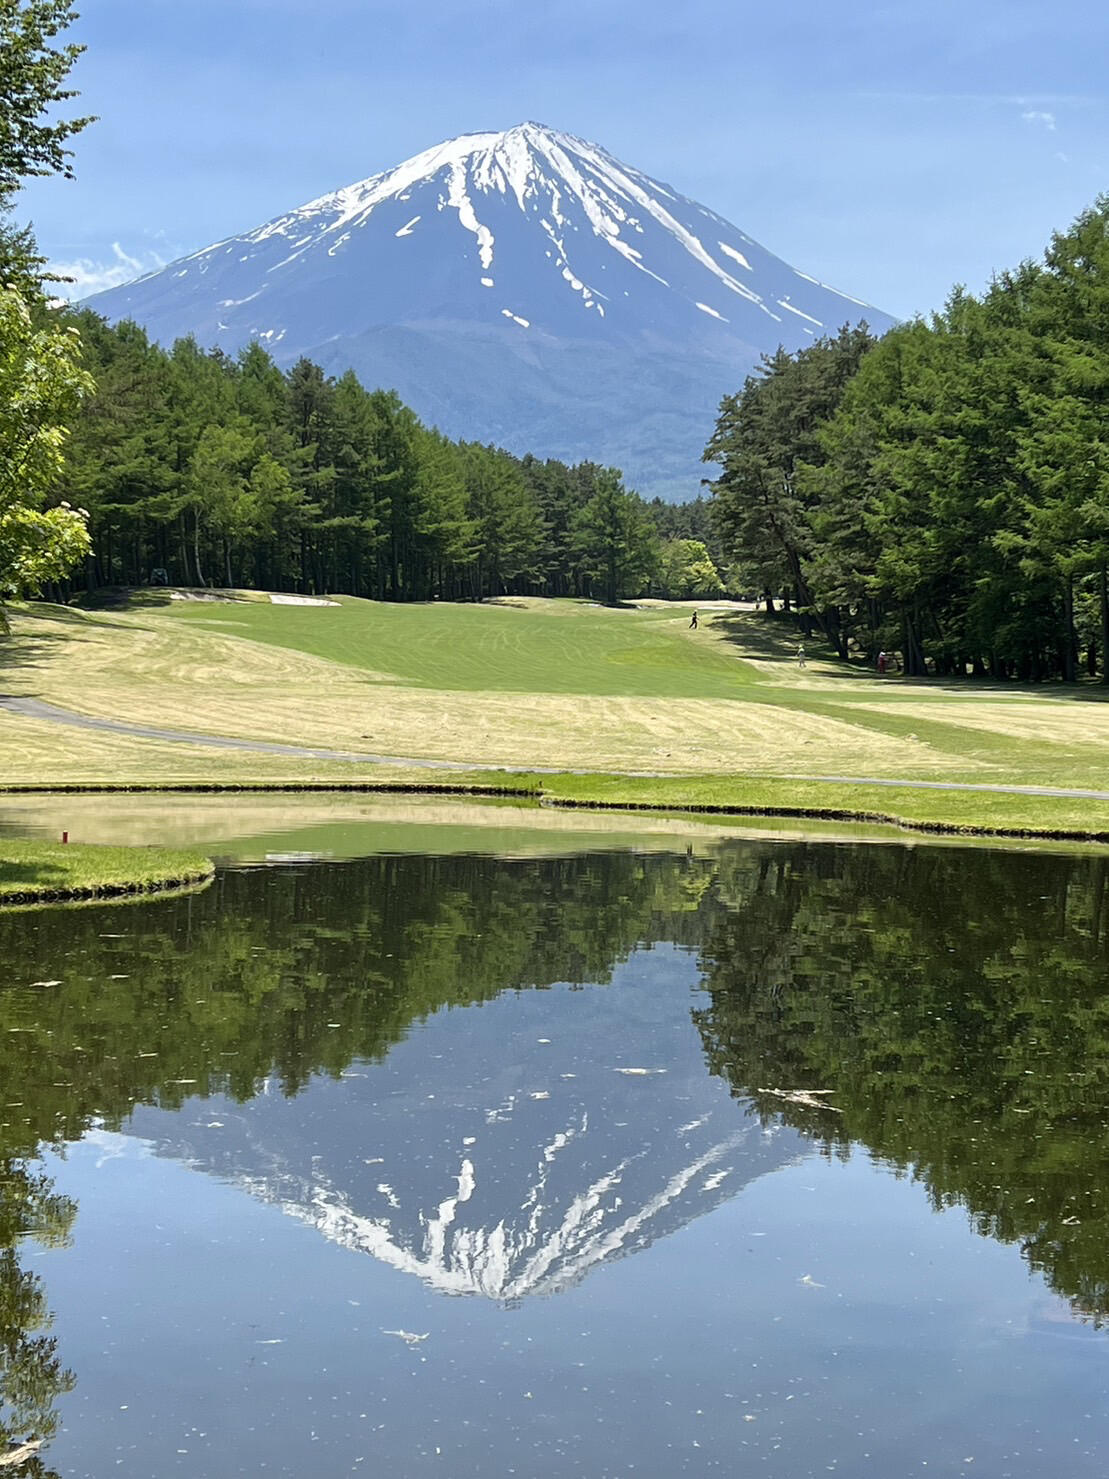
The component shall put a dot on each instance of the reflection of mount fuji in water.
(504, 1149)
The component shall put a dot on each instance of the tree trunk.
(915, 666)
(1104, 594)
(1070, 667)
(196, 548)
(1098, 900)
(832, 622)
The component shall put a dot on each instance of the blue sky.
(890, 150)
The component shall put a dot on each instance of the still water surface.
(455, 1165)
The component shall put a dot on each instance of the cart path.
(34, 708)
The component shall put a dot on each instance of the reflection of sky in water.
(797, 1316)
(653, 1282)
(507, 1151)
(823, 1320)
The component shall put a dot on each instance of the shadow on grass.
(776, 639)
(26, 651)
(33, 641)
(124, 598)
(36, 639)
(28, 875)
(48, 611)
(157, 597)
(43, 611)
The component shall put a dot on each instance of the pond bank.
(55, 872)
(967, 811)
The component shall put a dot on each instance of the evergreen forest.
(942, 492)
(197, 469)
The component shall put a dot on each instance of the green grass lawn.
(570, 647)
(31, 871)
(625, 705)
(925, 810)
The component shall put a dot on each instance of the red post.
(65, 836)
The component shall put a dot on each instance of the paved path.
(34, 708)
(866, 780)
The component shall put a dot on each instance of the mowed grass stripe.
(545, 647)
(555, 684)
(154, 669)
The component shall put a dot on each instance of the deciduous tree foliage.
(687, 570)
(40, 384)
(40, 379)
(33, 73)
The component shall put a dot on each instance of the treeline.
(201, 470)
(942, 492)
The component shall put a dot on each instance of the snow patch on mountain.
(789, 308)
(735, 256)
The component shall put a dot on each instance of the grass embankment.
(658, 715)
(33, 872)
(954, 812)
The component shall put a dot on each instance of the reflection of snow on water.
(485, 1184)
(542, 1255)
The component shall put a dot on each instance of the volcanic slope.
(524, 288)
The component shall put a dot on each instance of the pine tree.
(616, 544)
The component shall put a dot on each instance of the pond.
(741, 1155)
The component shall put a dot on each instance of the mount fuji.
(523, 288)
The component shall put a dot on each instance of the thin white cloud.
(87, 276)
(1039, 116)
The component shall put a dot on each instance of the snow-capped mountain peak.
(563, 188)
(514, 264)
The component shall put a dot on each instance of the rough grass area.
(622, 705)
(45, 871)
